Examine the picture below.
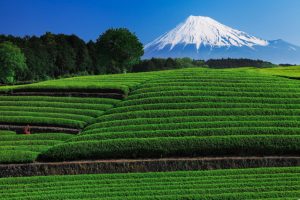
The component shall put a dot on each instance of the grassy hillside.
(260, 183)
(289, 72)
(187, 112)
(195, 112)
(293, 71)
(176, 113)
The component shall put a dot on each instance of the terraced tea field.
(51, 113)
(194, 112)
(188, 113)
(70, 103)
(54, 107)
(260, 183)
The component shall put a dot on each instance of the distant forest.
(58, 55)
(54, 55)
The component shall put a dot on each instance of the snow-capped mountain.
(204, 38)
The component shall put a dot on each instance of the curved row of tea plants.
(71, 112)
(283, 71)
(54, 112)
(259, 183)
(120, 83)
(16, 148)
(193, 112)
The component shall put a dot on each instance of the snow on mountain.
(201, 37)
(205, 31)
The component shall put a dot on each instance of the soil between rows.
(144, 165)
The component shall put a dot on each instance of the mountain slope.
(204, 38)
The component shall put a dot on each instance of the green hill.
(176, 113)
(194, 112)
(186, 112)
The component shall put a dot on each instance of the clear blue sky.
(268, 19)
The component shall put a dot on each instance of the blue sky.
(268, 19)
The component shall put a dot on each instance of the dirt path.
(144, 165)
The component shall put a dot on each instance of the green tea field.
(184, 113)
(194, 112)
(105, 100)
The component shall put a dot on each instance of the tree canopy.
(12, 63)
(119, 49)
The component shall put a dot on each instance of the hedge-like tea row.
(198, 112)
(176, 146)
(75, 111)
(42, 121)
(209, 99)
(56, 105)
(120, 83)
(259, 183)
(71, 112)
(17, 156)
(216, 93)
(187, 119)
(4, 132)
(194, 105)
(32, 148)
(201, 126)
(96, 134)
(61, 99)
(258, 88)
(284, 84)
(50, 115)
(15, 148)
(33, 137)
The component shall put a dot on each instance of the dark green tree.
(12, 63)
(83, 60)
(119, 50)
(97, 66)
(170, 63)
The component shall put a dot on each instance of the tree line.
(55, 55)
(156, 64)
(234, 63)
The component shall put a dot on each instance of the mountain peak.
(201, 37)
(205, 31)
(197, 18)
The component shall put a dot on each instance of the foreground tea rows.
(259, 183)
